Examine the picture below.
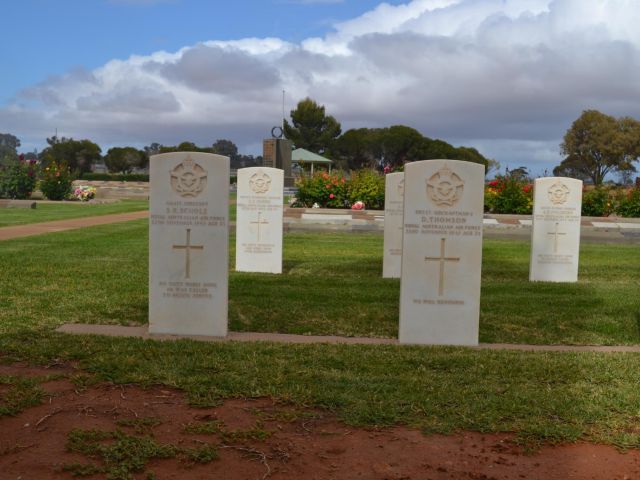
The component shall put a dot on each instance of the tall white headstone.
(442, 252)
(259, 220)
(393, 215)
(555, 232)
(189, 244)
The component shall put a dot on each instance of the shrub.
(18, 179)
(55, 182)
(597, 202)
(509, 195)
(326, 190)
(366, 186)
(629, 203)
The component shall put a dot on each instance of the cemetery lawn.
(46, 212)
(331, 285)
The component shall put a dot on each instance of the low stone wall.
(17, 203)
(111, 189)
(324, 218)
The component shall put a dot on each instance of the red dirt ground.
(308, 444)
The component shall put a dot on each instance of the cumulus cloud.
(506, 76)
(213, 69)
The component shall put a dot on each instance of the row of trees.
(595, 145)
(221, 147)
(81, 155)
(312, 129)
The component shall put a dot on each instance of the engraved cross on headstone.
(555, 238)
(187, 248)
(442, 259)
(258, 223)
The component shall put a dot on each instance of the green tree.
(520, 174)
(152, 149)
(184, 147)
(225, 147)
(597, 144)
(356, 149)
(78, 155)
(311, 128)
(31, 155)
(493, 166)
(394, 146)
(125, 159)
(8, 148)
(400, 144)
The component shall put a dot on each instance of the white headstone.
(189, 244)
(555, 232)
(442, 252)
(259, 220)
(393, 215)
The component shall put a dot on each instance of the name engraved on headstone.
(442, 251)
(259, 220)
(393, 228)
(555, 233)
(188, 244)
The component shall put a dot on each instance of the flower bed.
(504, 195)
(508, 195)
(605, 201)
(364, 189)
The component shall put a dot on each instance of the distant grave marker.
(188, 244)
(441, 252)
(555, 232)
(393, 215)
(259, 220)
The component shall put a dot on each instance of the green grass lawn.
(46, 212)
(331, 285)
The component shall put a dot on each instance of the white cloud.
(507, 76)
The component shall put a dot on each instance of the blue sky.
(505, 76)
(40, 38)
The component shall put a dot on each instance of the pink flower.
(331, 195)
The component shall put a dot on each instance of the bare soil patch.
(261, 438)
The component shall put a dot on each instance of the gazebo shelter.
(303, 157)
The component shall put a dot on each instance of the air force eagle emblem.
(188, 179)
